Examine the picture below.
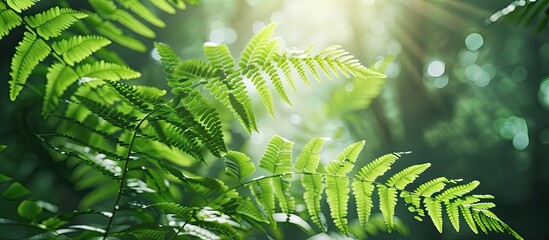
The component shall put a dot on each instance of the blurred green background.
(471, 99)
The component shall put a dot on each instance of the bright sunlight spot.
(436, 68)
(474, 41)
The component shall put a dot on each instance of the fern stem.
(124, 172)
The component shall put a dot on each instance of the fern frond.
(238, 165)
(466, 212)
(207, 117)
(143, 98)
(377, 167)
(108, 10)
(434, 210)
(264, 92)
(177, 210)
(9, 19)
(452, 209)
(194, 69)
(247, 208)
(176, 135)
(252, 51)
(313, 186)
(53, 21)
(457, 191)
(337, 195)
(387, 203)
(401, 179)
(309, 158)
(277, 160)
(278, 156)
(204, 186)
(163, 5)
(140, 10)
(109, 114)
(146, 231)
(29, 53)
(219, 57)
(114, 33)
(59, 78)
(20, 5)
(106, 71)
(94, 130)
(362, 191)
(262, 190)
(345, 161)
(77, 48)
(224, 229)
(169, 59)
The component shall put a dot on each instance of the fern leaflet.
(77, 48)
(52, 22)
(30, 52)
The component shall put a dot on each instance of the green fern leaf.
(457, 191)
(247, 208)
(296, 63)
(177, 135)
(337, 195)
(362, 191)
(109, 113)
(178, 4)
(429, 188)
(177, 210)
(203, 119)
(94, 130)
(253, 49)
(204, 186)
(286, 201)
(163, 5)
(377, 167)
(140, 10)
(452, 209)
(142, 97)
(59, 78)
(77, 48)
(169, 59)
(106, 71)
(313, 186)
(224, 229)
(146, 231)
(262, 190)
(466, 212)
(264, 92)
(345, 160)
(277, 160)
(407, 176)
(434, 210)
(238, 165)
(8, 20)
(219, 57)
(309, 158)
(53, 21)
(108, 10)
(194, 69)
(20, 5)
(29, 53)
(287, 72)
(276, 80)
(114, 33)
(278, 156)
(387, 203)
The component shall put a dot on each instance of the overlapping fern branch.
(261, 62)
(47, 34)
(432, 198)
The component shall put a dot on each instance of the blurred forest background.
(471, 99)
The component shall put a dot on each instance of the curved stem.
(124, 172)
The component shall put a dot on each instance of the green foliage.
(128, 136)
